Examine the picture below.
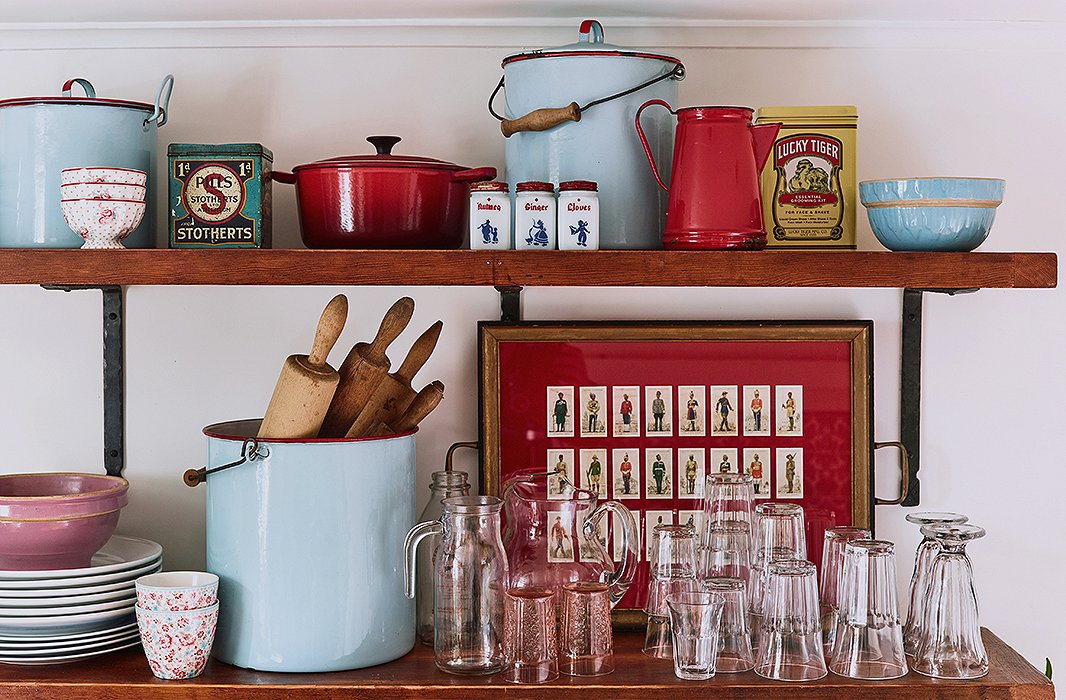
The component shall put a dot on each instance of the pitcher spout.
(763, 137)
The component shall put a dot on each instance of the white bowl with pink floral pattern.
(118, 176)
(102, 190)
(177, 643)
(171, 591)
(103, 223)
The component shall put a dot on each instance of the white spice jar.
(534, 218)
(579, 215)
(490, 216)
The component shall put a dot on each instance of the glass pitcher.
(470, 580)
(558, 537)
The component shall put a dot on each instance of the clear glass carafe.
(444, 484)
(470, 583)
(951, 645)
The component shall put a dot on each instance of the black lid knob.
(383, 144)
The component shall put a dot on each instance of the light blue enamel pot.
(306, 537)
(602, 145)
(40, 136)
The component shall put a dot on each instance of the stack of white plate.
(54, 617)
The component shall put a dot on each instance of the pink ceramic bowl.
(57, 521)
(177, 590)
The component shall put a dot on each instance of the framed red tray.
(813, 435)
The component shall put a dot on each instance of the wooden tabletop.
(603, 268)
(125, 675)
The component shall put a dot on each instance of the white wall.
(943, 97)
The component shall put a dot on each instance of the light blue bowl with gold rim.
(932, 213)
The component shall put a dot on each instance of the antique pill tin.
(809, 181)
(220, 195)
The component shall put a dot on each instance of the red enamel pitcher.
(714, 199)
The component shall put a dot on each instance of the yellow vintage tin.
(809, 181)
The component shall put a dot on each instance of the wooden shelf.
(522, 268)
(125, 675)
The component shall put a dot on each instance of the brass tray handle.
(905, 474)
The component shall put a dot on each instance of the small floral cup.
(177, 643)
(177, 591)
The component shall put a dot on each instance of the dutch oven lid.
(384, 158)
(90, 98)
(590, 43)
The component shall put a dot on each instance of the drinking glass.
(868, 644)
(817, 521)
(791, 636)
(672, 569)
(735, 654)
(923, 565)
(727, 551)
(729, 498)
(694, 620)
(530, 653)
(836, 539)
(586, 647)
(950, 645)
(780, 534)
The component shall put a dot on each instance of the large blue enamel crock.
(40, 136)
(602, 144)
(306, 537)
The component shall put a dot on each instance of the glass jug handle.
(410, 547)
(621, 579)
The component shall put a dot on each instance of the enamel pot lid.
(384, 158)
(590, 43)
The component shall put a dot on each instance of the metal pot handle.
(90, 92)
(251, 450)
(284, 177)
(159, 115)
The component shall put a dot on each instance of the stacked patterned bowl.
(103, 205)
(63, 615)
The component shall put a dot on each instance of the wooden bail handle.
(392, 324)
(542, 119)
(330, 325)
(419, 353)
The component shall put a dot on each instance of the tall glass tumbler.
(727, 551)
(586, 647)
(951, 645)
(728, 498)
(923, 566)
(672, 569)
(868, 644)
(695, 619)
(735, 654)
(530, 642)
(791, 646)
(836, 539)
(780, 533)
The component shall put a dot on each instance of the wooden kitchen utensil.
(423, 404)
(394, 394)
(363, 369)
(307, 383)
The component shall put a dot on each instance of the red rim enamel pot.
(383, 200)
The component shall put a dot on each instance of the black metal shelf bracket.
(510, 303)
(114, 375)
(910, 384)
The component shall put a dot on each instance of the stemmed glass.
(923, 564)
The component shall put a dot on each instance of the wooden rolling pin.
(306, 384)
(394, 394)
(423, 404)
(363, 369)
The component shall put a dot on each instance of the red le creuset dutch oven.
(383, 200)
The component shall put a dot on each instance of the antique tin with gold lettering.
(220, 195)
(809, 181)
